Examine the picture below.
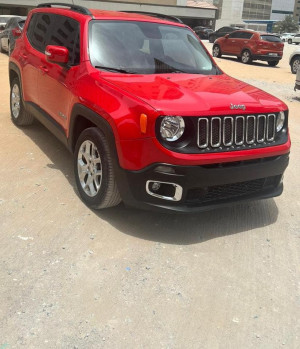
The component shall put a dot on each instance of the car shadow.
(180, 229)
(255, 63)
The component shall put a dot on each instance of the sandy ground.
(73, 278)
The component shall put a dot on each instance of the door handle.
(24, 55)
(44, 68)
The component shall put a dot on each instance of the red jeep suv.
(147, 113)
(249, 46)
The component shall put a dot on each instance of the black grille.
(215, 133)
(227, 191)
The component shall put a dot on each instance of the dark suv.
(221, 32)
(147, 113)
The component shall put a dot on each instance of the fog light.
(155, 186)
(280, 121)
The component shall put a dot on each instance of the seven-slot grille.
(228, 131)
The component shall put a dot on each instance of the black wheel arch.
(81, 118)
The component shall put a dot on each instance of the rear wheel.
(289, 41)
(94, 170)
(273, 63)
(1, 49)
(19, 116)
(246, 57)
(295, 64)
(211, 39)
(217, 51)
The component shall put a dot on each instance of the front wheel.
(289, 41)
(295, 65)
(211, 39)
(273, 63)
(246, 57)
(217, 51)
(94, 172)
(19, 116)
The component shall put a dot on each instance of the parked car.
(203, 32)
(286, 36)
(3, 20)
(249, 45)
(12, 31)
(221, 32)
(295, 61)
(295, 39)
(147, 114)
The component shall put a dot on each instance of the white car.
(3, 20)
(295, 61)
(286, 36)
(295, 39)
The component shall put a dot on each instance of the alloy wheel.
(245, 57)
(15, 101)
(89, 167)
(216, 51)
(296, 65)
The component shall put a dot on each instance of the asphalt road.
(71, 277)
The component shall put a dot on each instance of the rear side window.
(246, 35)
(49, 29)
(270, 38)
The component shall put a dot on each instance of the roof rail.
(72, 7)
(158, 15)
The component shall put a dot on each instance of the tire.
(9, 49)
(211, 39)
(216, 51)
(1, 49)
(93, 170)
(295, 64)
(273, 63)
(19, 116)
(289, 41)
(246, 57)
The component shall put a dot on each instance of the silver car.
(295, 61)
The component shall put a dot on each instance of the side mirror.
(227, 36)
(16, 32)
(57, 54)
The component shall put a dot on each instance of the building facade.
(256, 13)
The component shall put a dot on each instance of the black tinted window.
(245, 35)
(48, 29)
(270, 38)
(66, 33)
(236, 35)
(37, 31)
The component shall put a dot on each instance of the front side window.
(48, 29)
(147, 48)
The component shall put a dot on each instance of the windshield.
(147, 48)
(4, 19)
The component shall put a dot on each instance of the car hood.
(192, 95)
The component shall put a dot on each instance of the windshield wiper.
(119, 70)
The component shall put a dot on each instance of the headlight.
(280, 121)
(172, 128)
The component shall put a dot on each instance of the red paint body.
(122, 98)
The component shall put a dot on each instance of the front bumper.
(204, 187)
(266, 58)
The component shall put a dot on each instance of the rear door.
(55, 81)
